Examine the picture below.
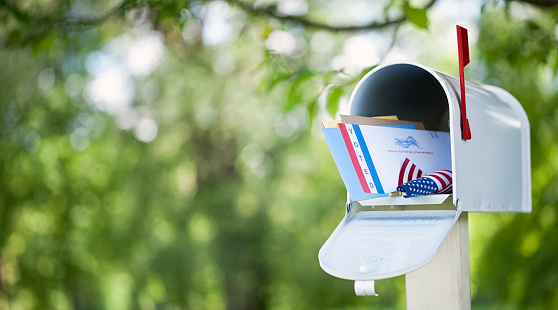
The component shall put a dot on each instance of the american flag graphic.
(408, 172)
(439, 182)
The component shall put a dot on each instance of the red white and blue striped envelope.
(369, 158)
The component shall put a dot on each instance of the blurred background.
(159, 154)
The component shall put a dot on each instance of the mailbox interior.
(405, 90)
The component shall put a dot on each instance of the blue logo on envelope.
(407, 143)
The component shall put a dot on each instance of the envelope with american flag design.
(374, 160)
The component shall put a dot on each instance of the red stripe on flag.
(354, 159)
(448, 190)
(419, 174)
(411, 172)
(439, 180)
(446, 175)
(402, 171)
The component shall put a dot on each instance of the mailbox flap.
(373, 245)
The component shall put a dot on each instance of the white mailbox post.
(491, 173)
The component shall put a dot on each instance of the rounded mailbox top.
(411, 91)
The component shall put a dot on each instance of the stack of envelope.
(376, 154)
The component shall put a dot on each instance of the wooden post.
(444, 283)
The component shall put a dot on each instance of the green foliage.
(205, 184)
(417, 16)
(333, 97)
(517, 267)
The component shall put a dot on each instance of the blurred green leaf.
(14, 36)
(387, 8)
(332, 101)
(43, 45)
(313, 108)
(297, 91)
(293, 98)
(273, 80)
(417, 17)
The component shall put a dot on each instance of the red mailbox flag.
(463, 48)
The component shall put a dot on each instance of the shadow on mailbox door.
(491, 172)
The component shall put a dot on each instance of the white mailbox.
(491, 171)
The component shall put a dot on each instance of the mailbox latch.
(365, 288)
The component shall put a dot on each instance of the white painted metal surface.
(365, 288)
(399, 201)
(373, 245)
(493, 169)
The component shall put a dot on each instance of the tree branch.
(62, 20)
(271, 12)
(124, 4)
(542, 3)
(392, 43)
(44, 25)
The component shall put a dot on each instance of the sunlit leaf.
(313, 108)
(297, 90)
(293, 98)
(417, 17)
(271, 82)
(332, 102)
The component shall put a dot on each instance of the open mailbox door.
(491, 171)
(373, 245)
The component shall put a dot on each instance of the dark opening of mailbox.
(405, 90)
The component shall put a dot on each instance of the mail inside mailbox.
(372, 160)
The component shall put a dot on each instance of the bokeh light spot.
(46, 79)
(146, 130)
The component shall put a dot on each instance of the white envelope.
(371, 163)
